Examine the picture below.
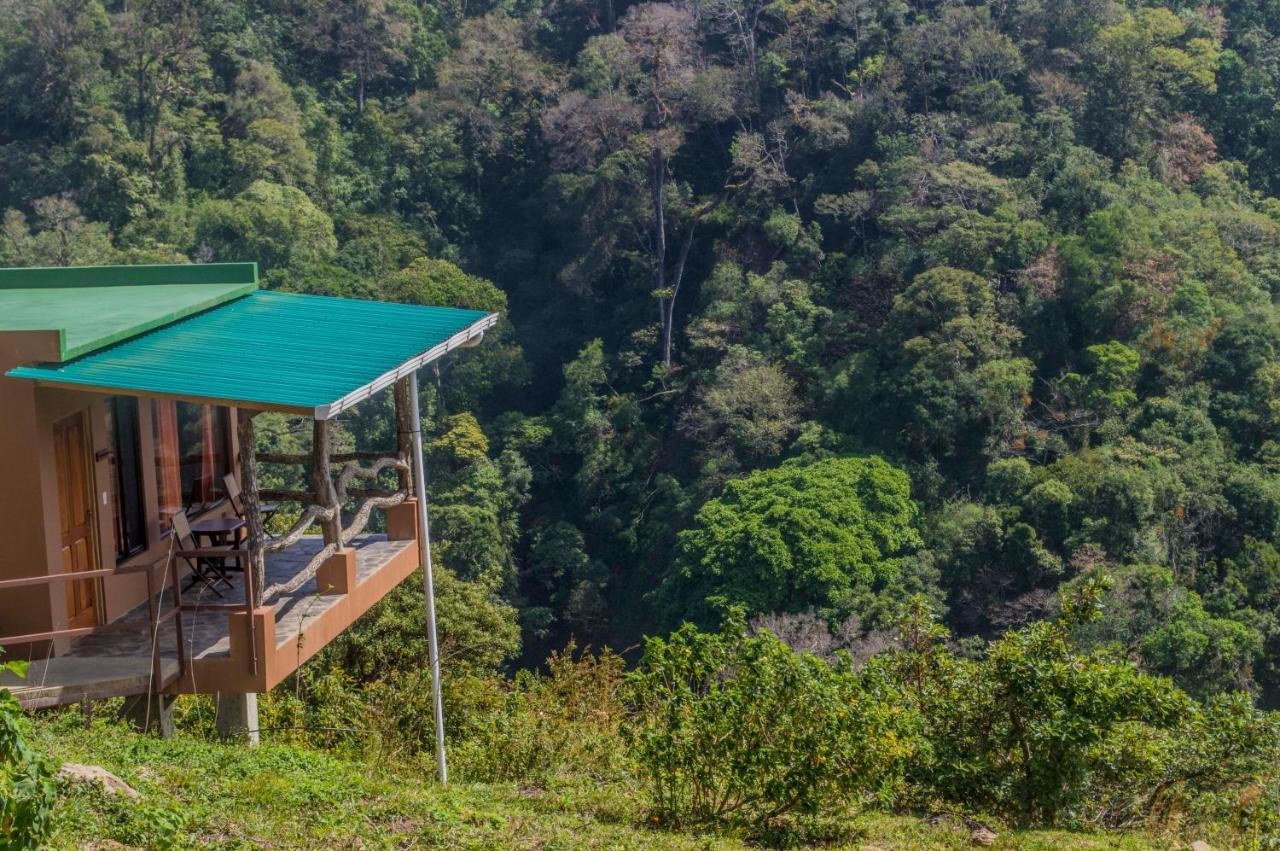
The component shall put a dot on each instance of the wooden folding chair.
(266, 509)
(207, 563)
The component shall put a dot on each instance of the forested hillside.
(1024, 253)
(823, 311)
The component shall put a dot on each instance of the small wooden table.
(221, 531)
(217, 528)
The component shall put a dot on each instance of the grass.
(201, 793)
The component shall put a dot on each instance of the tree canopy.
(803, 305)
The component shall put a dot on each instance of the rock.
(982, 836)
(1201, 845)
(112, 785)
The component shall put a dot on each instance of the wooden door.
(75, 510)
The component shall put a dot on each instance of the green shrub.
(325, 708)
(156, 826)
(1212, 766)
(525, 729)
(27, 791)
(742, 730)
(535, 726)
(1042, 733)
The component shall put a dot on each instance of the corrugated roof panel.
(275, 350)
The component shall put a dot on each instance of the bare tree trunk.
(669, 308)
(657, 185)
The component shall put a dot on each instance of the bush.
(733, 729)
(1041, 733)
(27, 791)
(1213, 766)
(524, 730)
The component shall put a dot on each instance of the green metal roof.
(279, 351)
(94, 306)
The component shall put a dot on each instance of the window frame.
(122, 533)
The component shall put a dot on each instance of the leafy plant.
(1043, 733)
(27, 791)
(730, 728)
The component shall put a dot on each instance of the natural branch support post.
(249, 497)
(322, 482)
(404, 429)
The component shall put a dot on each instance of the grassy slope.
(290, 797)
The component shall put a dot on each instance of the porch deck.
(303, 621)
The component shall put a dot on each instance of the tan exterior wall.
(22, 511)
(29, 496)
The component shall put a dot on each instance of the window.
(192, 455)
(126, 476)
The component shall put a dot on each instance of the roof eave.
(469, 335)
(109, 390)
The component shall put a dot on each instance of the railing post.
(404, 432)
(176, 578)
(153, 613)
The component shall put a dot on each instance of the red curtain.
(168, 460)
(208, 470)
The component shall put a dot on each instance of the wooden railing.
(155, 618)
(323, 504)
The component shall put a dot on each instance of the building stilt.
(237, 717)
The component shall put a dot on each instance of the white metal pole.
(424, 549)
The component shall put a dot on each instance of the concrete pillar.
(237, 717)
(149, 712)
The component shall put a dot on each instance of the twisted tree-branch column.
(404, 430)
(322, 482)
(249, 498)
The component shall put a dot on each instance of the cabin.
(139, 558)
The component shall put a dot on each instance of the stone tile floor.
(206, 633)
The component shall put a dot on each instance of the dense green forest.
(816, 313)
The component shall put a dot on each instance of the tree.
(277, 226)
(1147, 613)
(1141, 69)
(1108, 387)
(160, 43)
(273, 151)
(51, 56)
(62, 237)
(738, 729)
(830, 535)
(950, 365)
(463, 381)
(367, 37)
(492, 87)
(1023, 729)
(651, 92)
(744, 415)
(433, 281)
